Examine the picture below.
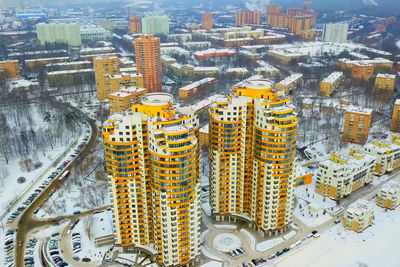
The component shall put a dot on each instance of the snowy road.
(27, 221)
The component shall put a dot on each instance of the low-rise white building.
(340, 176)
(358, 216)
(389, 195)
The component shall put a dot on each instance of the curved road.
(27, 221)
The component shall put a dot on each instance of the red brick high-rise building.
(207, 21)
(248, 17)
(135, 24)
(148, 62)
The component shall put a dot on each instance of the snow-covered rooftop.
(197, 84)
(386, 75)
(292, 78)
(333, 77)
(360, 110)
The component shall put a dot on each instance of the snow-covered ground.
(88, 248)
(376, 246)
(312, 215)
(265, 245)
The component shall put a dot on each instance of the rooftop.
(291, 78)
(157, 99)
(360, 110)
(333, 77)
(386, 75)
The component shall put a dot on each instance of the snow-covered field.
(377, 246)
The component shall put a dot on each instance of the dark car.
(285, 250)
(278, 253)
(314, 232)
(255, 262)
(86, 259)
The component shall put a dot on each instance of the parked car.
(86, 259)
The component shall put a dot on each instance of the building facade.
(207, 21)
(103, 68)
(387, 154)
(148, 62)
(155, 25)
(125, 98)
(68, 33)
(395, 123)
(152, 161)
(339, 176)
(357, 123)
(248, 17)
(330, 83)
(358, 216)
(389, 195)
(10, 69)
(290, 83)
(252, 156)
(336, 32)
(135, 24)
(385, 81)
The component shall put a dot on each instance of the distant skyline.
(368, 6)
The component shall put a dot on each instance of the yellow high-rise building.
(103, 68)
(252, 156)
(153, 164)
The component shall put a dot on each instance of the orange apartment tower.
(248, 17)
(252, 156)
(148, 62)
(153, 164)
(357, 123)
(135, 24)
(207, 21)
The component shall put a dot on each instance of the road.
(26, 221)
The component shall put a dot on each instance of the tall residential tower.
(148, 61)
(153, 165)
(252, 154)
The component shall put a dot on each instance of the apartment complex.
(103, 68)
(68, 33)
(248, 17)
(155, 25)
(290, 83)
(387, 154)
(395, 123)
(336, 32)
(252, 156)
(207, 21)
(296, 20)
(152, 161)
(135, 24)
(148, 61)
(125, 98)
(389, 195)
(357, 123)
(10, 68)
(328, 85)
(385, 81)
(339, 176)
(358, 216)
